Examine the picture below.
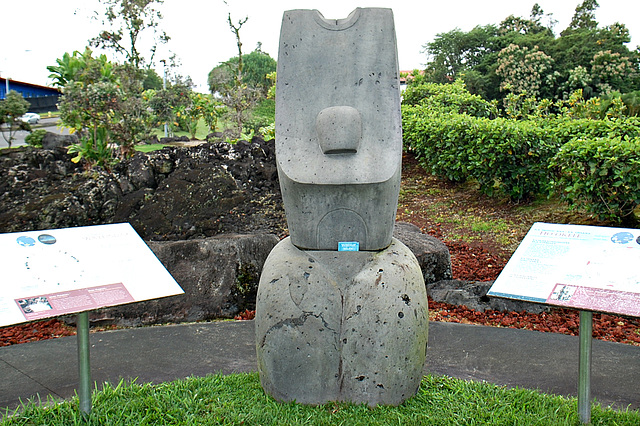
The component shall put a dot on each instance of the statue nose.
(339, 130)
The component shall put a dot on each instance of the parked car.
(31, 118)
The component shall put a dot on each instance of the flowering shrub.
(102, 102)
(524, 70)
(578, 79)
(610, 70)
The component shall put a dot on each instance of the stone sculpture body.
(339, 128)
(334, 325)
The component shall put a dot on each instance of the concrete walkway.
(529, 359)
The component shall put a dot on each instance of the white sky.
(34, 34)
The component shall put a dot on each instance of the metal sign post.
(584, 367)
(84, 366)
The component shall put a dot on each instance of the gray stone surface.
(219, 276)
(338, 127)
(341, 326)
(54, 140)
(473, 295)
(319, 216)
(431, 253)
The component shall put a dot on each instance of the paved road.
(49, 124)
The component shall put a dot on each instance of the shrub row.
(448, 98)
(592, 164)
(600, 175)
(505, 156)
(566, 129)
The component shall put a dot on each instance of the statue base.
(341, 326)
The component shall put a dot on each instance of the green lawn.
(150, 147)
(201, 131)
(239, 399)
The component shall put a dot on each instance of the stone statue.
(337, 325)
(339, 128)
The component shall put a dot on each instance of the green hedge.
(593, 164)
(448, 98)
(600, 175)
(566, 129)
(506, 157)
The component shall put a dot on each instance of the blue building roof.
(27, 90)
(40, 98)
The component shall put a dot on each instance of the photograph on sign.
(576, 266)
(62, 271)
(54, 304)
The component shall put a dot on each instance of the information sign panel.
(62, 271)
(583, 267)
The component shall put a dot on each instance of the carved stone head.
(338, 128)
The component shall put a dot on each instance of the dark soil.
(200, 191)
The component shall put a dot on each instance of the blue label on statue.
(349, 246)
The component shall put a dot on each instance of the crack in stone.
(357, 312)
(295, 322)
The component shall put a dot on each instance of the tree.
(82, 67)
(583, 45)
(200, 106)
(524, 70)
(235, 29)
(165, 103)
(210, 109)
(529, 32)
(228, 81)
(452, 53)
(612, 71)
(221, 78)
(257, 65)
(579, 79)
(473, 55)
(584, 17)
(523, 26)
(537, 14)
(68, 68)
(580, 58)
(470, 56)
(11, 109)
(102, 102)
(128, 20)
(151, 79)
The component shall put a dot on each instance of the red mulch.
(473, 263)
(566, 321)
(31, 332)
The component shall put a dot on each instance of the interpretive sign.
(62, 271)
(583, 267)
